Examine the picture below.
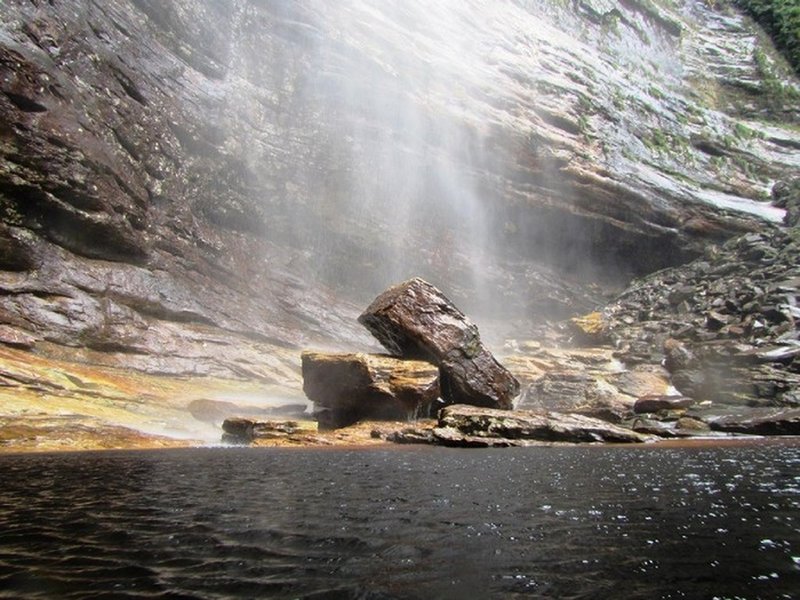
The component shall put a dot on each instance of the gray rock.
(764, 422)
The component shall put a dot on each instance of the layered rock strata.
(245, 430)
(347, 388)
(175, 203)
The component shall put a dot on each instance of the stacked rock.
(437, 357)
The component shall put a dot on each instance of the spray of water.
(386, 111)
(393, 139)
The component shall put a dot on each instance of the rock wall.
(186, 186)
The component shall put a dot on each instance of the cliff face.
(187, 187)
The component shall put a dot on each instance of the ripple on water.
(402, 523)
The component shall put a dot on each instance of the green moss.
(666, 143)
(9, 211)
(583, 125)
(727, 141)
(743, 132)
(659, 140)
(778, 93)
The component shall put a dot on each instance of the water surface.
(588, 522)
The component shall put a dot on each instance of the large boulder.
(346, 388)
(415, 320)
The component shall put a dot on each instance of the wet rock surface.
(347, 388)
(163, 189)
(245, 430)
(651, 404)
(763, 422)
(470, 426)
(173, 204)
(415, 319)
(215, 412)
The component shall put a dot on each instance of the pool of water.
(421, 522)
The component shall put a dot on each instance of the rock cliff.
(203, 186)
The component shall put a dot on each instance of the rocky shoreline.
(708, 350)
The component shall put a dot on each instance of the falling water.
(387, 109)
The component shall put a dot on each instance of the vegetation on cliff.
(781, 18)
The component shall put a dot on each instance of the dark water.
(613, 522)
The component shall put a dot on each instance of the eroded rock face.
(175, 203)
(414, 319)
(347, 388)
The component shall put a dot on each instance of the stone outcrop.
(470, 426)
(172, 203)
(346, 388)
(652, 404)
(414, 319)
(684, 427)
(763, 422)
(245, 430)
(587, 380)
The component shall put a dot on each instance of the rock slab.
(784, 422)
(416, 320)
(244, 430)
(347, 388)
(470, 426)
(654, 404)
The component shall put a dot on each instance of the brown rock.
(691, 424)
(678, 356)
(496, 427)
(244, 430)
(414, 319)
(651, 404)
(346, 388)
(589, 328)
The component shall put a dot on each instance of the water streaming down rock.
(200, 187)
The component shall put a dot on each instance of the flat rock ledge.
(469, 426)
(246, 430)
(764, 422)
(414, 319)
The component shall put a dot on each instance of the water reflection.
(403, 523)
